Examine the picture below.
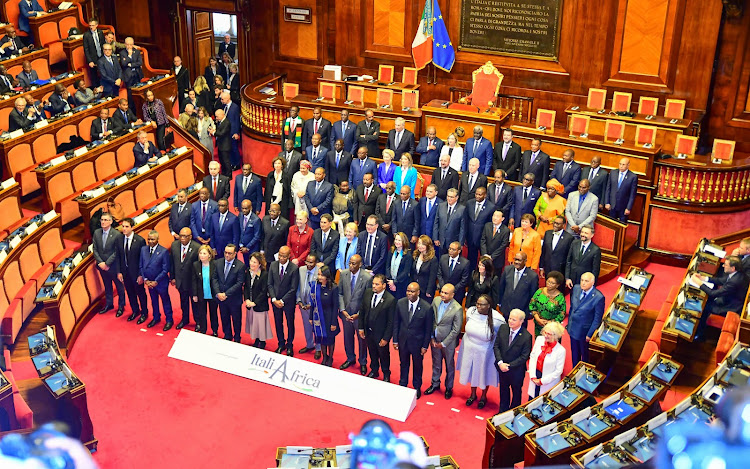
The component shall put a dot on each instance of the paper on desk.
(140, 218)
(77, 260)
(299, 449)
(80, 151)
(163, 206)
(31, 228)
(626, 436)
(7, 183)
(142, 169)
(49, 216)
(630, 283)
(58, 160)
(97, 192)
(433, 460)
(14, 242)
(66, 272)
(581, 415)
(162, 160)
(657, 421)
(121, 180)
(546, 430)
(613, 398)
(58, 287)
(718, 252)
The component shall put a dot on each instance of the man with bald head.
(585, 317)
(619, 197)
(11, 44)
(223, 136)
(184, 252)
(183, 78)
(512, 350)
(406, 216)
(216, 182)
(200, 216)
(412, 330)
(283, 280)
(346, 131)
(479, 148)
(429, 148)
(471, 180)
(448, 318)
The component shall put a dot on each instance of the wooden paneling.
(131, 18)
(203, 38)
(388, 30)
(299, 40)
(203, 22)
(388, 22)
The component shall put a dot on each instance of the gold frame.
(584, 118)
(596, 90)
(680, 102)
(652, 128)
(618, 94)
(332, 86)
(403, 75)
(610, 123)
(732, 145)
(548, 112)
(386, 92)
(357, 88)
(293, 86)
(381, 68)
(646, 99)
(414, 93)
(693, 143)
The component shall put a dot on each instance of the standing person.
(548, 303)
(477, 214)
(131, 63)
(257, 322)
(324, 298)
(129, 252)
(325, 242)
(154, 269)
(619, 197)
(345, 131)
(483, 282)
(93, 39)
(424, 268)
(454, 269)
(586, 311)
(405, 174)
(228, 47)
(347, 246)
(398, 265)
(507, 156)
(584, 256)
(247, 186)
(213, 69)
(106, 241)
(373, 247)
(376, 326)
(278, 190)
(227, 280)
(292, 130)
(536, 162)
(275, 230)
(344, 199)
(153, 111)
(555, 248)
(292, 157)
(353, 282)
(524, 200)
(518, 284)
(366, 200)
(598, 177)
(385, 207)
(200, 216)
(547, 360)
(283, 281)
(361, 166)
(308, 275)
(299, 240)
(110, 72)
(204, 297)
(183, 79)
(386, 169)
(225, 228)
(338, 162)
(454, 153)
(412, 329)
(527, 240)
(449, 222)
(428, 210)
(399, 139)
(476, 364)
(318, 198)
(501, 194)
(495, 240)
(582, 208)
(429, 148)
(317, 125)
(406, 216)
(250, 231)
(224, 142)
(184, 253)
(316, 153)
(479, 148)
(368, 133)
(550, 204)
(445, 177)
(449, 316)
(512, 350)
(567, 172)
(206, 129)
(298, 186)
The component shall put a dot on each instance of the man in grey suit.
(308, 274)
(368, 133)
(352, 285)
(412, 330)
(449, 222)
(581, 209)
(598, 178)
(584, 256)
(283, 281)
(449, 317)
(106, 240)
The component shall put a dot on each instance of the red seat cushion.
(726, 341)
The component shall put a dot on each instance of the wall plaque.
(525, 28)
(297, 14)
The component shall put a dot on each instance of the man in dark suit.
(200, 216)
(384, 208)
(20, 117)
(406, 216)
(223, 142)
(512, 350)
(283, 280)
(445, 177)
(318, 197)
(368, 133)
(226, 281)
(182, 75)
(338, 162)
(216, 183)
(214, 68)
(317, 125)
(743, 253)
(232, 114)
(179, 214)
(567, 172)
(248, 187)
(584, 256)
(225, 228)
(361, 166)
(154, 269)
(346, 131)
(536, 162)
(131, 62)
(28, 9)
(143, 151)
(353, 282)
(478, 213)
(7, 81)
(129, 253)
(586, 311)
(250, 231)
(518, 283)
(412, 330)
(448, 318)
(316, 153)
(367, 198)
(11, 44)
(428, 206)
(275, 231)
(184, 252)
(525, 197)
(619, 197)
(400, 140)
(501, 194)
(598, 177)
(495, 240)
(93, 39)
(325, 242)
(373, 247)
(455, 270)
(555, 248)
(228, 46)
(470, 181)
(292, 157)
(27, 76)
(449, 222)
(106, 241)
(123, 118)
(376, 326)
(429, 148)
(507, 156)
(479, 148)
(109, 71)
(103, 126)
(727, 294)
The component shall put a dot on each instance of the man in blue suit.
(316, 153)
(373, 247)
(429, 148)
(428, 206)
(478, 212)
(200, 216)
(620, 195)
(225, 228)
(226, 281)
(154, 270)
(501, 195)
(28, 9)
(406, 216)
(248, 187)
(345, 130)
(318, 197)
(360, 167)
(179, 214)
(110, 71)
(567, 172)
(325, 242)
(250, 231)
(524, 200)
(481, 149)
(449, 222)
(586, 311)
(535, 161)
(338, 162)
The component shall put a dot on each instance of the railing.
(703, 185)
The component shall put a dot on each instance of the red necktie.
(388, 204)
(316, 127)
(214, 186)
(183, 255)
(367, 194)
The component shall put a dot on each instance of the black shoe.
(346, 365)
(227, 337)
(305, 350)
(290, 352)
(387, 378)
(198, 329)
(482, 403)
(470, 400)
(141, 320)
(153, 323)
(362, 370)
(431, 389)
(419, 393)
(132, 317)
(106, 308)
(262, 344)
(256, 343)
(168, 326)
(180, 325)
(215, 334)
(237, 340)
(279, 349)
(119, 312)
(449, 393)
(317, 355)
(373, 374)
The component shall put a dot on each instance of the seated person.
(21, 117)
(27, 76)
(727, 293)
(32, 102)
(187, 114)
(123, 118)
(144, 151)
(7, 82)
(59, 101)
(103, 126)
(85, 95)
(11, 44)
(28, 9)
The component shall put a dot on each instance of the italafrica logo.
(298, 379)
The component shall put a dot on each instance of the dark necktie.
(125, 116)
(583, 249)
(127, 250)
(497, 194)
(411, 311)
(152, 252)
(184, 251)
(525, 193)
(281, 274)
(453, 265)
(511, 336)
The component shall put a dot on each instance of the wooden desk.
(371, 89)
(40, 94)
(445, 120)
(14, 63)
(73, 49)
(36, 22)
(666, 132)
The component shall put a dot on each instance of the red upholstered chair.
(486, 82)
(67, 316)
(674, 108)
(685, 145)
(723, 150)
(165, 183)
(11, 210)
(106, 165)
(64, 133)
(125, 158)
(41, 66)
(356, 94)
(127, 200)
(648, 105)
(385, 73)
(65, 24)
(184, 173)
(409, 76)
(145, 193)
(84, 128)
(94, 283)
(79, 296)
(23, 418)
(290, 91)
(12, 13)
(621, 101)
(597, 98)
(49, 37)
(645, 135)
(165, 239)
(44, 148)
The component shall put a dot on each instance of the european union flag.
(443, 54)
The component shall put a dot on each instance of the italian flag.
(421, 47)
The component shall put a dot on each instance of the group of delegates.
(111, 64)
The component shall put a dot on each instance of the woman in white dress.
(547, 359)
(476, 359)
(299, 185)
(454, 150)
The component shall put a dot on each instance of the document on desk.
(715, 251)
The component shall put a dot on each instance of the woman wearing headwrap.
(549, 205)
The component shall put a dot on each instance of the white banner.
(330, 384)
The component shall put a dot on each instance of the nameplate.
(300, 376)
(121, 180)
(140, 218)
(3, 255)
(591, 455)
(142, 169)
(40, 124)
(162, 160)
(77, 259)
(198, 185)
(546, 430)
(181, 150)
(91, 247)
(7, 183)
(163, 206)
(16, 133)
(80, 151)
(66, 272)
(15, 242)
(31, 228)
(58, 287)
(58, 160)
(49, 216)
(634, 284)
(52, 80)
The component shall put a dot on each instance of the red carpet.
(152, 411)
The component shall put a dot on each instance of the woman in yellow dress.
(526, 239)
(550, 204)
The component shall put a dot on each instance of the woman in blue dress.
(386, 169)
(324, 298)
(406, 174)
